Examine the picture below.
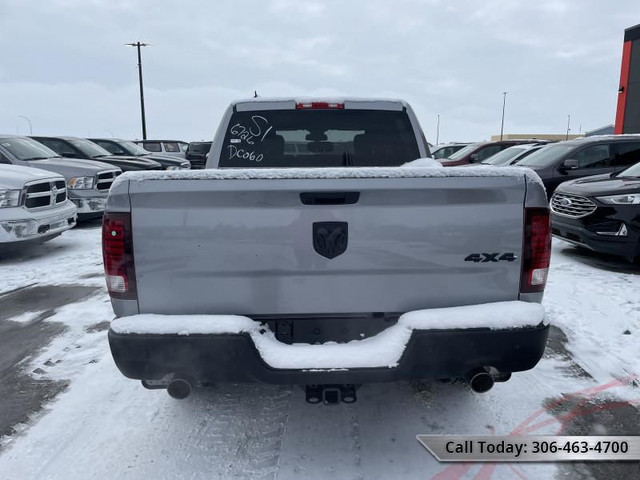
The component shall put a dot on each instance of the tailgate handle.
(329, 198)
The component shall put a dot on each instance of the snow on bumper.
(90, 205)
(382, 350)
(18, 224)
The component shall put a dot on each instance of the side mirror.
(474, 158)
(570, 164)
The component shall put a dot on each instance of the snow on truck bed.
(382, 350)
(421, 168)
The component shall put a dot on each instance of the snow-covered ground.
(105, 426)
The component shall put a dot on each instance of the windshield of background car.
(442, 152)
(134, 148)
(631, 172)
(525, 154)
(90, 149)
(318, 138)
(505, 156)
(438, 153)
(546, 156)
(26, 149)
(464, 152)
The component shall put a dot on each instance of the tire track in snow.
(106, 426)
(241, 426)
(322, 441)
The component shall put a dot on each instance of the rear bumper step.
(220, 358)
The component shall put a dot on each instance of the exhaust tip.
(480, 380)
(179, 388)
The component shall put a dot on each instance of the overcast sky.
(63, 63)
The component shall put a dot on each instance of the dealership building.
(628, 112)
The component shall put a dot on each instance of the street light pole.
(504, 103)
(438, 131)
(568, 126)
(144, 122)
(29, 121)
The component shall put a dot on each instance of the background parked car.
(583, 157)
(33, 205)
(601, 213)
(446, 150)
(512, 155)
(477, 152)
(120, 147)
(87, 181)
(197, 153)
(74, 147)
(175, 148)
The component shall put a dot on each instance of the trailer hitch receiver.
(331, 394)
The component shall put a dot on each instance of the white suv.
(174, 148)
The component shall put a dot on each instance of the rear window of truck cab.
(318, 138)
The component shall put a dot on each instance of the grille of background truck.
(45, 194)
(105, 179)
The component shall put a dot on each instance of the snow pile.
(382, 350)
(184, 324)
(410, 171)
(27, 317)
(594, 300)
(423, 162)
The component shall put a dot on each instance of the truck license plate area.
(332, 329)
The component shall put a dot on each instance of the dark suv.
(477, 152)
(583, 157)
(197, 153)
(601, 213)
(120, 147)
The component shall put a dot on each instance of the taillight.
(536, 254)
(117, 255)
(319, 105)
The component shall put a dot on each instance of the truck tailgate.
(246, 247)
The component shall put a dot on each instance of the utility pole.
(438, 131)
(568, 126)
(28, 121)
(144, 122)
(504, 103)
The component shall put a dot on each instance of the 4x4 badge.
(490, 257)
(330, 238)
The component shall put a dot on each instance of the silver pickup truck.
(311, 252)
(87, 181)
(33, 206)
